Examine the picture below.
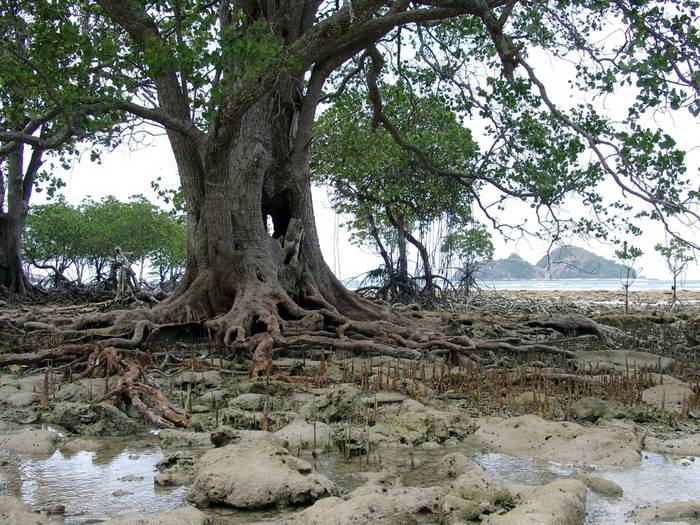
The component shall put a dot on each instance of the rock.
(672, 511)
(416, 423)
(33, 383)
(13, 512)
(474, 486)
(301, 433)
(210, 378)
(71, 392)
(472, 493)
(10, 380)
(456, 464)
(21, 399)
(370, 505)
(669, 396)
(175, 469)
(226, 435)
(212, 397)
(130, 478)
(341, 404)
(101, 419)
(121, 493)
(73, 446)
(181, 516)
(606, 445)
(457, 510)
(385, 398)
(562, 502)
(602, 486)
(249, 402)
(54, 509)
(621, 360)
(30, 442)
(254, 475)
(684, 446)
(251, 420)
(519, 491)
(177, 438)
(593, 408)
(7, 391)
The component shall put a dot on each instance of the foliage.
(627, 255)
(71, 70)
(386, 190)
(83, 238)
(473, 247)
(53, 238)
(677, 253)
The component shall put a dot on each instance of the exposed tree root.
(133, 385)
(285, 308)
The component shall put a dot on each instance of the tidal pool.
(86, 482)
(92, 486)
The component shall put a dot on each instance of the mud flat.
(582, 415)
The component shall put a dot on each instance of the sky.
(129, 171)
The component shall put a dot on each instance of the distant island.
(565, 262)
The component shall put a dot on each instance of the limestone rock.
(21, 399)
(370, 505)
(672, 511)
(30, 442)
(340, 404)
(100, 419)
(602, 486)
(562, 502)
(225, 435)
(181, 516)
(210, 378)
(530, 435)
(175, 469)
(301, 433)
(254, 475)
(670, 396)
(416, 423)
(76, 445)
(456, 464)
(684, 446)
(620, 360)
(12, 511)
(593, 408)
(177, 438)
(249, 402)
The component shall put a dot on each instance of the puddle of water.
(84, 483)
(657, 480)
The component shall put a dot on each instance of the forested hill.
(566, 262)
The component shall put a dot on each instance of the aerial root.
(134, 385)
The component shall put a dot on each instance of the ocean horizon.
(573, 284)
(587, 284)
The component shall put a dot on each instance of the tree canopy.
(78, 242)
(74, 69)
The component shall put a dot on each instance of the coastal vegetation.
(271, 386)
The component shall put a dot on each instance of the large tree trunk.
(12, 221)
(11, 272)
(247, 281)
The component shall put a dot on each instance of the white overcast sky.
(127, 172)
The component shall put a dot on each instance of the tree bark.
(12, 220)
(248, 281)
(428, 289)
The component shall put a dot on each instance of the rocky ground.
(328, 438)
